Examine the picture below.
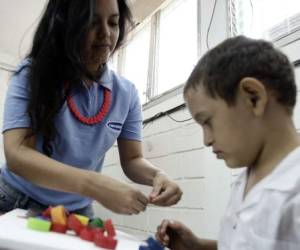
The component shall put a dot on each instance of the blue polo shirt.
(79, 145)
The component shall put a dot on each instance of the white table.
(14, 235)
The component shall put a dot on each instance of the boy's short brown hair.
(221, 69)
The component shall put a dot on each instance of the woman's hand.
(165, 192)
(177, 236)
(117, 196)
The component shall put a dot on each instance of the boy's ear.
(255, 94)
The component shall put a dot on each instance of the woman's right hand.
(117, 196)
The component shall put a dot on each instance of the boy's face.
(231, 131)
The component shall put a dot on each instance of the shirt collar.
(286, 175)
(283, 178)
(105, 79)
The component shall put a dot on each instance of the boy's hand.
(165, 192)
(176, 236)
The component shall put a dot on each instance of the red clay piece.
(98, 230)
(105, 242)
(87, 234)
(47, 212)
(109, 227)
(58, 228)
(75, 224)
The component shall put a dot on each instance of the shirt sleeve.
(289, 226)
(132, 127)
(16, 102)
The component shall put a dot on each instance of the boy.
(242, 93)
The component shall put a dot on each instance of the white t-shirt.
(269, 216)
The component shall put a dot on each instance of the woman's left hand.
(165, 191)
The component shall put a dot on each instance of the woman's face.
(102, 36)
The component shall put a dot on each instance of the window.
(135, 67)
(163, 50)
(267, 19)
(177, 44)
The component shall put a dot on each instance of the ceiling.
(18, 20)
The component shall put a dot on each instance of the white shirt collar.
(283, 178)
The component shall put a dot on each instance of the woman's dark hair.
(55, 58)
(221, 69)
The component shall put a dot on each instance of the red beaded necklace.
(96, 118)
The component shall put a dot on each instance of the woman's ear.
(254, 94)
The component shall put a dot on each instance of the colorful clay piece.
(97, 230)
(38, 224)
(58, 228)
(75, 224)
(110, 228)
(144, 248)
(97, 222)
(59, 215)
(58, 220)
(105, 242)
(83, 219)
(152, 244)
(87, 234)
(47, 212)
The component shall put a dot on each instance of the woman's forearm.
(140, 170)
(44, 171)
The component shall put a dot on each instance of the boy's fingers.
(176, 227)
(162, 240)
(164, 226)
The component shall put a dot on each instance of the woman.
(65, 109)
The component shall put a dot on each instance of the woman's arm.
(138, 169)
(134, 165)
(24, 160)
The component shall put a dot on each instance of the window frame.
(287, 37)
(152, 76)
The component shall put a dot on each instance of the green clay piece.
(97, 222)
(38, 224)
